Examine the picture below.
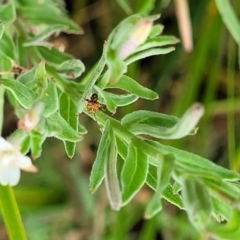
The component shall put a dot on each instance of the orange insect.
(93, 105)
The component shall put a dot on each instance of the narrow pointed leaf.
(227, 231)
(50, 99)
(163, 126)
(2, 26)
(38, 39)
(68, 111)
(72, 68)
(153, 207)
(40, 14)
(98, 168)
(159, 41)
(163, 177)
(23, 94)
(157, 29)
(128, 84)
(40, 79)
(196, 161)
(125, 5)
(134, 173)
(148, 53)
(197, 202)
(37, 140)
(168, 193)
(53, 56)
(111, 176)
(7, 47)
(8, 12)
(60, 128)
(26, 145)
(229, 18)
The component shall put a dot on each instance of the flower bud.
(31, 118)
(138, 36)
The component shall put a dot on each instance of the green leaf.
(22, 52)
(59, 128)
(128, 84)
(199, 172)
(145, 7)
(53, 56)
(110, 104)
(68, 111)
(5, 63)
(42, 14)
(47, 32)
(40, 79)
(196, 161)
(50, 99)
(26, 145)
(23, 94)
(98, 168)
(8, 12)
(82, 130)
(148, 53)
(171, 197)
(123, 99)
(154, 206)
(37, 140)
(111, 177)
(150, 118)
(156, 30)
(72, 68)
(134, 173)
(27, 78)
(168, 193)
(229, 18)
(197, 202)
(125, 5)
(159, 41)
(122, 147)
(162, 126)
(163, 176)
(224, 190)
(2, 26)
(222, 210)
(7, 47)
(150, 123)
(227, 231)
(113, 100)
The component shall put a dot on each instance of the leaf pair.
(133, 174)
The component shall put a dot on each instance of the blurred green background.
(56, 202)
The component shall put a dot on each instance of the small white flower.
(11, 161)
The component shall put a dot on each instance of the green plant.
(38, 82)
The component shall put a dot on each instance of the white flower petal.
(14, 175)
(9, 175)
(5, 145)
(23, 161)
(11, 161)
(3, 175)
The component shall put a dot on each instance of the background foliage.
(58, 197)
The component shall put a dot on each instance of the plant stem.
(11, 215)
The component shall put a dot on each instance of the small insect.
(93, 105)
